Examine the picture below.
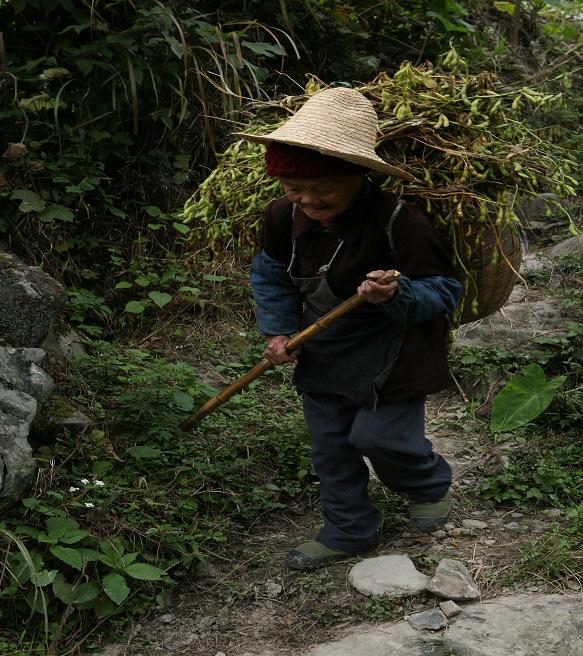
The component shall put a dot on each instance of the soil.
(248, 604)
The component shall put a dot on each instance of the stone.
(394, 576)
(449, 608)
(17, 372)
(474, 524)
(429, 620)
(452, 580)
(571, 246)
(30, 301)
(512, 526)
(521, 625)
(273, 589)
(17, 466)
(454, 532)
(75, 423)
(18, 404)
(204, 570)
(553, 513)
(64, 346)
(522, 318)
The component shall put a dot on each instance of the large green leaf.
(30, 201)
(144, 572)
(160, 298)
(70, 556)
(116, 588)
(62, 590)
(523, 398)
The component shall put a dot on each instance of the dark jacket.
(426, 293)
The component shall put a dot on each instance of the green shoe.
(430, 516)
(312, 555)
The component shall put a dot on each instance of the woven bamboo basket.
(489, 284)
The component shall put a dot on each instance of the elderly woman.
(364, 380)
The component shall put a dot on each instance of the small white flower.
(73, 489)
(89, 505)
(99, 483)
(85, 481)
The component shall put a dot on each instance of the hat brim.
(369, 161)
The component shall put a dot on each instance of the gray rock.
(553, 513)
(452, 580)
(439, 534)
(273, 589)
(17, 372)
(537, 212)
(64, 347)
(512, 526)
(17, 467)
(449, 608)
(474, 524)
(521, 625)
(429, 620)
(30, 301)
(18, 404)
(394, 576)
(76, 423)
(519, 320)
(571, 246)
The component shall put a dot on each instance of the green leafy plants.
(525, 396)
(133, 503)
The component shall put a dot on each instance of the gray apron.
(355, 355)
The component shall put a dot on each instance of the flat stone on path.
(394, 576)
(520, 625)
(428, 620)
(449, 608)
(452, 580)
(474, 524)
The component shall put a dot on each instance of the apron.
(355, 355)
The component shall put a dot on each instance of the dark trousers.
(393, 438)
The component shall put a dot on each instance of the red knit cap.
(285, 161)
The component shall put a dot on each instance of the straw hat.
(339, 122)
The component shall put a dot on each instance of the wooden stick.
(295, 342)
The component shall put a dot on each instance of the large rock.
(571, 246)
(394, 576)
(23, 387)
(17, 468)
(521, 625)
(452, 580)
(30, 300)
(523, 317)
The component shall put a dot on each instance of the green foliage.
(524, 397)
(548, 471)
(129, 506)
(552, 557)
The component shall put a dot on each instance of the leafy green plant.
(525, 396)
(136, 501)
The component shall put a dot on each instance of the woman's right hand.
(276, 349)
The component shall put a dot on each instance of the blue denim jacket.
(279, 302)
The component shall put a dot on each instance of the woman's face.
(323, 198)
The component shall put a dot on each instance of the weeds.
(139, 501)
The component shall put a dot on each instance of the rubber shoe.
(430, 516)
(312, 555)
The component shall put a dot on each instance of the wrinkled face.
(323, 198)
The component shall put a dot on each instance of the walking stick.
(295, 342)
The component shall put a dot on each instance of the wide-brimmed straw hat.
(338, 122)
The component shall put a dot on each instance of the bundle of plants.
(464, 141)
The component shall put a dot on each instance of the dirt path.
(249, 604)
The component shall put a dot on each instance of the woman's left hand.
(372, 292)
